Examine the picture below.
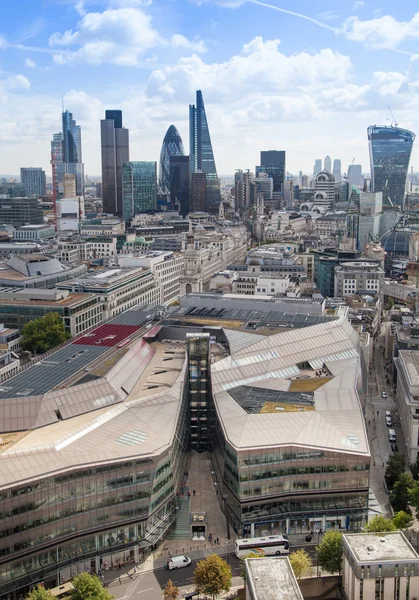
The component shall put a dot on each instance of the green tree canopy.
(89, 587)
(40, 335)
(399, 497)
(330, 552)
(39, 593)
(171, 591)
(380, 523)
(213, 575)
(395, 467)
(301, 564)
(414, 496)
(401, 519)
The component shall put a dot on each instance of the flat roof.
(271, 579)
(374, 547)
(72, 299)
(411, 360)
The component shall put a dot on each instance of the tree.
(399, 497)
(40, 335)
(39, 593)
(401, 519)
(330, 552)
(395, 468)
(301, 564)
(380, 524)
(171, 591)
(414, 496)
(213, 575)
(89, 587)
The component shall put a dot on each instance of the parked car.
(394, 448)
(383, 394)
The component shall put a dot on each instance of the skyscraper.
(33, 178)
(139, 179)
(179, 182)
(172, 146)
(327, 165)
(57, 166)
(390, 149)
(198, 199)
(317, 166)
(355, 175)
(72, 154)
(337, 170)
(201, 155)
(272, 162)
(115, 151)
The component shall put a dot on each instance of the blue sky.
(305, 76)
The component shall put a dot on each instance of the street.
(149, 585)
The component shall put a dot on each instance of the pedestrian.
(193, 492)
(189, 494)
(218, 541)
(135, 569)
(119, 566)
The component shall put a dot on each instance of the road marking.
(147, 590)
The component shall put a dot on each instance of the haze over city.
(306, 76)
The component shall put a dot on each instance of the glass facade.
(390, 149)
(179, 182)
(115, 151)
(139, 180)
(201, 154)
(34, 180)
(272, 162)
(172, 146)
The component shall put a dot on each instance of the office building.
(33, 233)
(370, 213)
(317, 166)
(72, 151)
(379, 566)
(355, 176)
(21, 211)
(358, 277)
(172, 146)
(270, 578)
(12, 190)
(57, 166)
(244, 190)
(31, 269)
(407, 391)
(69, 186)
(69, 213)
(327, 164)
(179, 183)
(324, 190)
(272, 162)
(33, 178)
(139, 182)
(390, 149)
(337, 170)
(264, 186)
(115, 151)
(198, 199)
(201, 155)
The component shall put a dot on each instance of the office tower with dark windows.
(272, 162)
(139, 184)
(179, 183)
(33, 178)
(57, 166)
(337, 170)
(115, 151)
(201, 155)
(21, 211)
(71, 153)
(390, 149)
(355, 176)
(198, 199)
(172, 146)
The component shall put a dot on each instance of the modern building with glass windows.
(390, 149)
(172, 146)
(139, 181)
(33, 178)
(179, 183)
(115, 151)
(72, 154)
(201, 155)
(272, 162)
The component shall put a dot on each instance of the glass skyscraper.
(66, 156)
(179, 182)
(139, 180)
(33, 178)
(390, 149)
(172, 146)
(115, 151)
(272, 162)
(201, 156)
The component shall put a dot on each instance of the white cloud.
(30, 64)
(382, 32)
(119, 36)
(357, 4)
(17, 82)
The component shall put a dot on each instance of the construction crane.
(393, 120)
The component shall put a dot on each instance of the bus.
(265, 546)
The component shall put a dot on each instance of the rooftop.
(374, 547)
(271, 579)
(411, 360)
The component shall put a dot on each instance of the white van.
(392, 436)
(178, 562)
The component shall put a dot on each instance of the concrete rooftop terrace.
(272, 579)
(374, 547)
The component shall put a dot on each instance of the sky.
(305, 76)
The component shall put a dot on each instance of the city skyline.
(275, 84)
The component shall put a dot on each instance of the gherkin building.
(172, 146)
